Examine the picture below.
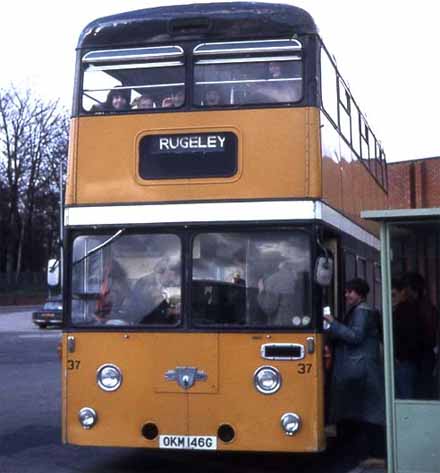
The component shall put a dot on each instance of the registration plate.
(188, 442)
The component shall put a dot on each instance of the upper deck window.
(140, 78)
(247, 72)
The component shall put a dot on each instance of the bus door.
(330, 303)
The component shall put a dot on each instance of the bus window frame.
(362, 267)
(76, 233)
(365, 142)
(157, 59)
(361, 150)
(247, 55)
(185, 51)
(249, 60)
(132, 56)
(344, 107)
(349, 264)
(311, 289)
(186, 236)
(292, 44)
(328, 91)
(355, 128)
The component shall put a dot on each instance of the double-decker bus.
(218, 164)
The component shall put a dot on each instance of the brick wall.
(414, 184)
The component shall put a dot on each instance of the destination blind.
(193, 155)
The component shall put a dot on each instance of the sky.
(387, 51)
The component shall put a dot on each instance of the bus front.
(192, 230)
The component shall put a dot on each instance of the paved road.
(17, 319)
(30, 421)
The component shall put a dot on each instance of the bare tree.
(33, 143)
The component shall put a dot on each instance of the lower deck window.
(132, 280)
(251, 279)
(236, 279)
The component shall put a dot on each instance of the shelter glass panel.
(415, 314)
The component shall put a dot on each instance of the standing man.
(358, 397)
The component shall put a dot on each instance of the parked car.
(50, 314)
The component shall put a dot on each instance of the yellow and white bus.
(218, 164)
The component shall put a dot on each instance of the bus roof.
(213, 21)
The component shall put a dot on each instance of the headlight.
(267, 379)
(291, 423)
(109, 377)
(87, 417)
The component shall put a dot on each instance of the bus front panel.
(220, 391)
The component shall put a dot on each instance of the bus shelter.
(410, 247)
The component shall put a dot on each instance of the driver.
(112, 294)
(156, 296)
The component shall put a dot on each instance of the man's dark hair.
(358, 285)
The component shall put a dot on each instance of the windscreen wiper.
(101, 246)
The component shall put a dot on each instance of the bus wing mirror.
(324, 271)
(53, 272)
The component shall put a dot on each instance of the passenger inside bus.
(172, 99)
(118, 100)
(143, 102)
(178, 98)
(279, 86)
(277, 294)
(237, 279)
(167, 102)
(212, 97)
(274, 70)
(113, 294)
(155, 298)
